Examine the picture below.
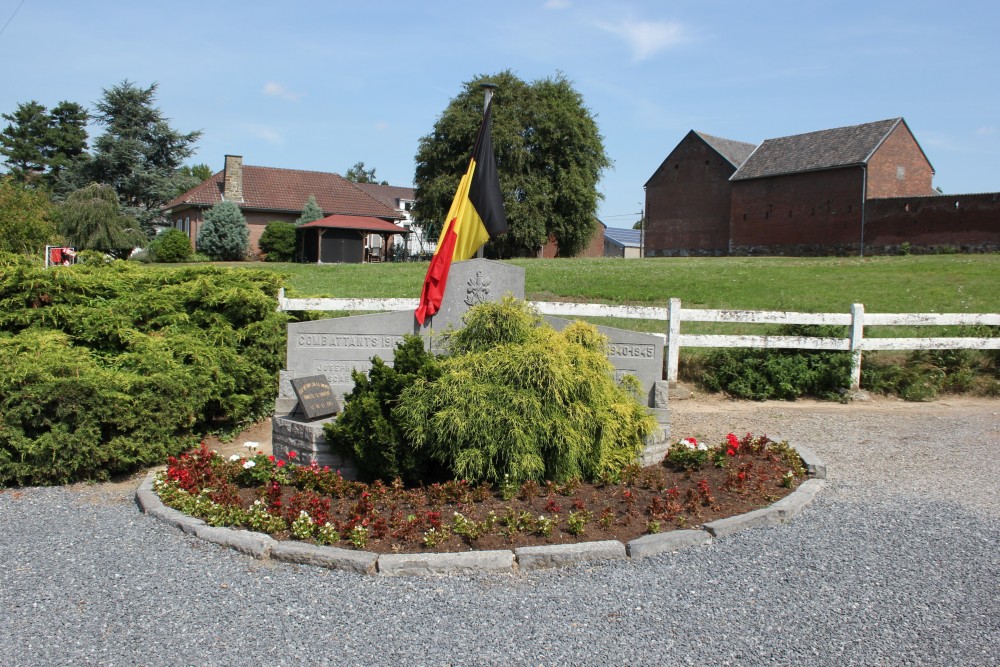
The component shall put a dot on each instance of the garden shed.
(346, 239)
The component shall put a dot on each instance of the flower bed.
(694, 484)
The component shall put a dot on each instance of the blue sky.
(322, 85)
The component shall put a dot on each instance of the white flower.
(251, 444)
(248, 464)
(235, 457)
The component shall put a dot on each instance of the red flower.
(280, 463)
(271, 457)
(292, 455)
(731, 451)
(733, 441)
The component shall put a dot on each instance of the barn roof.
(813, 151)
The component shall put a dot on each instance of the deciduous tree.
(26, 224)
(91, 219)
(358, 174)
(550, 157)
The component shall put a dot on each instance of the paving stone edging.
(504, 561)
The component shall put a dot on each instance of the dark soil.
(651, 499)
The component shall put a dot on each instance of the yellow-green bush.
(517, 400)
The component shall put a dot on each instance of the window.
(900, 173)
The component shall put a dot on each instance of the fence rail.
(674, 315)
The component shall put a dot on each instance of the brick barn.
(845, 190)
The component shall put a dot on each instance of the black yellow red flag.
(476, 216)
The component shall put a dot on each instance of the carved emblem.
(478, 290)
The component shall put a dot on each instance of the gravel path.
(896, 563)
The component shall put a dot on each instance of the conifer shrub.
(172, 245)
(517, 402)
(762, 374)
(512, 400)
(224, 235)
(278, 241)
(112, 367)
(368, 430)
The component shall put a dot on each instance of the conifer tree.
(310, 212)
(224, 235)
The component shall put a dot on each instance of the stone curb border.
(522, 559)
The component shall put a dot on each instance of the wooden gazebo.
(345, 239)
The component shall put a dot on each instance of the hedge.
(112, 368)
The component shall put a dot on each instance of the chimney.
(233, 179)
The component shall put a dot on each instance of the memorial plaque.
(631, 353)
(315, 396)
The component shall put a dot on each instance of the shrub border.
(521, 559)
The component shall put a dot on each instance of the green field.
(899, 284)
(928, 283)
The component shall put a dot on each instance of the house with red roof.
(267, 194)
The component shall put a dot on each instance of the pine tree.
(310, 212)
(224, 235)
(22, 142)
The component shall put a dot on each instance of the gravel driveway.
(896, 562)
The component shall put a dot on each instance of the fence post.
(857, 334)
(673, 338)
(281, 299)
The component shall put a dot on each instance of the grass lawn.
(898, 284)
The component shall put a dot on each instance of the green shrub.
(224, 235)
(92, 257)
(112, 367)
(924, 374)
(278, 241)
(516, 403)
(761, 374)
(172, 245)
(367, 428)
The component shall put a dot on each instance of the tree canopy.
(550, 158)
(224, 235)
(310, 212)
(26, 225)
(139, 153)
(40, 144)
(358, 174)
(91, 219)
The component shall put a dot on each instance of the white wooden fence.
(855, 342)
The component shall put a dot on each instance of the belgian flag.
(476, 216)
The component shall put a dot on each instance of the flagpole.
(488, 89)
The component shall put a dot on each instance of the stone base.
(294, 433)
(657, 443)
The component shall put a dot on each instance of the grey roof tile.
(813, 151)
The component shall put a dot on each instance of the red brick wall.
(256, 221)
(898, 168)
(594, 249)
(970, 223)
(687, 202)
(816, 213)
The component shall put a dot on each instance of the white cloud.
(646, 38)
(986, 131)
(274, 89)
(557, 4)
(381, 125)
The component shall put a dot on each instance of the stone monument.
(335, 347)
